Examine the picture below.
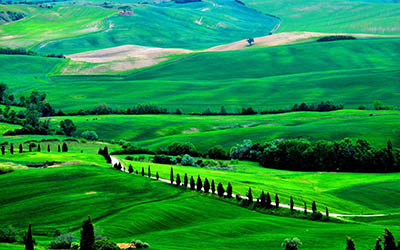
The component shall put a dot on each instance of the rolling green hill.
(127, 207)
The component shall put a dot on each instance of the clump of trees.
(335, 38)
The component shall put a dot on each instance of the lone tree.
(378, 245)
(20, 148)
(268, 201)
(206, 186)
(250, 41)
(192, 184)
(276, 201)
(185, 181)
(67, 127)
(157, 176)
(172, 176)
(262, 199)
(229, 190)
(149, 172)
(130, 169)
(291, 244)
(30, 147)
(64, 147)
(199, 184)
(291, 204)
(11, 148)
(220, 190)
(142, 171)
(29, 239)
(388, 240)
(178, 180)
(38, 148)
(3, 150)
(327, 213)
(314, 207)
(250, 196)
(350, 244)
(87, 235)
(213, 187)
(48, 148)
(59, 149)
(305, 208)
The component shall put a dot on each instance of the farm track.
(115, 160)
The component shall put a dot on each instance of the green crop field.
(127, 207)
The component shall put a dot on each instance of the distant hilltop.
(186, 1)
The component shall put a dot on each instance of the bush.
(105, 244)
(163, 159)
(129, 158)
(8, 234)
(90, 135)
(187, 160)
(64, 241)
(179, 148)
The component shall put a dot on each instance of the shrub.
(90, 135)
(291, 244)
(64, 241)
(163, 159)
(179, 148)
(105, 244)
(129, 158)
(8, 234)
(187, 160)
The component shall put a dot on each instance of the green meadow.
(158, 131)
(126, 207)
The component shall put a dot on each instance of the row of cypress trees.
(63, 148)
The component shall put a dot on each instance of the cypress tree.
(250, 196)
(276, 201)
(291, 204)
(65, 147)
(119, 166)
(142, 171)
(178, 180)
(185, 181)
(192, 184)
(172, 176)
(48, 148)
(229, 190)
(327, 213)
(199, 184)
(30, 147)
(206, 186)
(268, 201)
(262, 200)
(20, 148)
(12, 148)
(29, 239)
(350, 244)
(87, 235)
(58, 148)
(115, 166)
(3, 150)
(314, 207)
(388, 241)
(220, 190)
(130, 169)
(137, 172)
(38, 148)
(378, 245)
(157, 176)
(149, 172)
(213, 187)
(305, 208)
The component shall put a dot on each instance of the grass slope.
(129, 207)
(195, 25)
(157, 131)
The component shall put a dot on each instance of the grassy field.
(347, 72)
(349, 193)
(157, 131)
(63, 20)
(127, 207)
(333, 16)
(195, 25)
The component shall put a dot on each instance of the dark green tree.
(48, 148)
(3, 150)
(291, 204)
(67, 127)
(263, 203)
(378, 245)
(38, 148)
(157, 176)
(137, 172)
(388, 241)
(305, 208)
(327, 213)
(276, 201)
(185, 181)
(229, 190)
(64, 147)
(178, 180)
(250, 196)
(268, 201)
(130, 169)
(220, 190)
(206, 186)
(350, 244)
(87, 235)
(20, 148)
(192, 183)
(11, 148)
(59, 149)
(199, 184)
(29, 239)
(149, 172)
(314, 207)
(172, 176)
(142, 171)
(212, 187)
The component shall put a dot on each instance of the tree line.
(31, 146)
(23, 51)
